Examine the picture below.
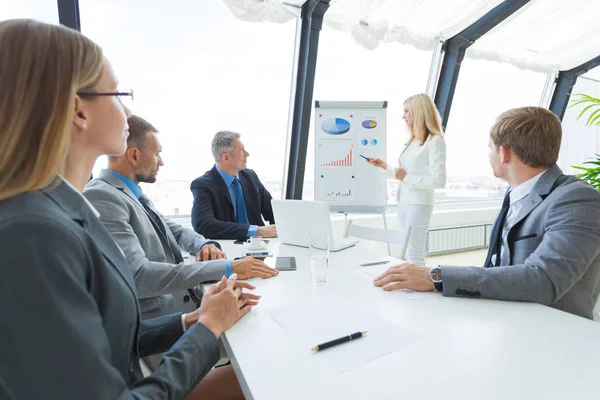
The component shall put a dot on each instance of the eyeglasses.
(126, 97)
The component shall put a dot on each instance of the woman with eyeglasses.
(70, 319)
(421, 169)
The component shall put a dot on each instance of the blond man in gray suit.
(545, 243)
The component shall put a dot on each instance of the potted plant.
(591, 169)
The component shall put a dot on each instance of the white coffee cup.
(255, 242)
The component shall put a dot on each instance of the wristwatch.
(435, 274)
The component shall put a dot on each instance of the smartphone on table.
(285, 263)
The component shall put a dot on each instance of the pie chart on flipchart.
(335, 126)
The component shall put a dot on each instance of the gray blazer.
(161, 280)
(71, 326)
(554, 251)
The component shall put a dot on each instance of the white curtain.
(543, 36)
(278, 11)
(421, 23)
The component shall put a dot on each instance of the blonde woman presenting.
(421, 169)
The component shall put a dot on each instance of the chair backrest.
(380, 235)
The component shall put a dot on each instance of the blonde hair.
(426, 118)
(42, 67)
(532, 133)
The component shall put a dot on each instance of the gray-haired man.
(230, 202)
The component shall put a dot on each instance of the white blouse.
(425, 168)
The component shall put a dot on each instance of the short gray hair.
(223, 143)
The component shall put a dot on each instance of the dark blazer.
(71, 325)
(213, 215)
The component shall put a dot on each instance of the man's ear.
(79, 114)
(133, 155)
(505, 154)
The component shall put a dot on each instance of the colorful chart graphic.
(364, 142)
(369, 124)
(335, 126)
(344, 162)
(374, 142)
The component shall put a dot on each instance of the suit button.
(132, 366)
(186, 298)
(477, 294)
(458, 292)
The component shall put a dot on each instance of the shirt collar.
(134, 187)
(96, 213)
(524, 188)
(226, 177)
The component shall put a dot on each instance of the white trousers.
(417, 217)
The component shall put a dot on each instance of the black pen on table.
(341, 340)
(374, 263)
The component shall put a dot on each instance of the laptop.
(296, 218)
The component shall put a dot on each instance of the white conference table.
(458, 348)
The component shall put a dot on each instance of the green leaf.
(585, 110)
(585, 97)
(595, 120)
(590, 175)
(579, 167)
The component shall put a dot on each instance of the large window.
(484, 90)
(580, 143)
(347, 71)
(195, 69)
(42, 10)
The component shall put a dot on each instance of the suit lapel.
(531, 202)
(222, 189)
(118, 184)
(221, 185)
(542, 188)
(110, 250)
(75, 206)
(538, 193)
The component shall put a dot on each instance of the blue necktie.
(240, 207)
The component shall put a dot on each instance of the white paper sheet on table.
(374, 272)
(311, 326)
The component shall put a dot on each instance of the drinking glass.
(318, 252)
